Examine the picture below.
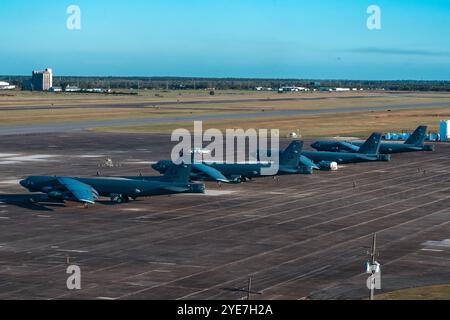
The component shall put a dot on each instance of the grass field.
(355, 124)
(359, 124)
(425, 293)
(28, 117)
(153, 97)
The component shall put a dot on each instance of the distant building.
(97, 90)
(263, 89)
(40, 81)
(292, 89)
(72, 89)
(6, 86)
(55, 89)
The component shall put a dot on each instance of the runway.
(151, 103)
(71, 126)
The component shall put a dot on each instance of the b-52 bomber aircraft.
(119, 189)
(240, 172)
(416, 142)
(306, 165)
(369, 151)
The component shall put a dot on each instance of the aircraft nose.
(24, 183)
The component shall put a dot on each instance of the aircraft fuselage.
(389, 147)
(132, 187)
(342, 157)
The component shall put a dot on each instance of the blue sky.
(229, 38)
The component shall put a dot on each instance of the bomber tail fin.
(291, 155)
(372, 145)
(178, 173)
(418, 137)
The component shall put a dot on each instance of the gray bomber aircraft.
(369, 151)
(416, 142)
(306, 165)
(119, 189)
(240, 172)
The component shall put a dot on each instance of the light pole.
(373, 268)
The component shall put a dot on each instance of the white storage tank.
(445, 130)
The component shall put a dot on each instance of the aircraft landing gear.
(118, 198)
(85, 205)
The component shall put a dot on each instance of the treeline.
(178, 83)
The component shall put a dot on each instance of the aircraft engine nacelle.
(306, 170)
(47, 189)
(197, 188)
(59, 195)
(328, 165)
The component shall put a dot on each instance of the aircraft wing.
(210, 171)
(349, 146)
(308, 162)
(81, 191)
